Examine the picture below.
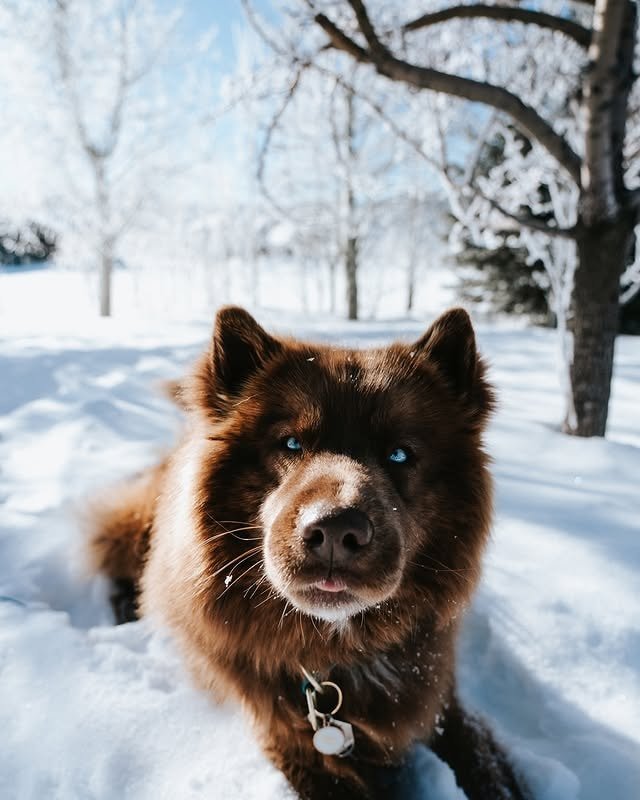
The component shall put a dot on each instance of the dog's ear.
(240, 348)
(450, 344)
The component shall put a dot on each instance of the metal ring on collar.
(339, 693)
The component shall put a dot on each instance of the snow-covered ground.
(551, 648)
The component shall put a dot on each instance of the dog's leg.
(480, 765)
(120, 524)
(124, 600)
(311, 781)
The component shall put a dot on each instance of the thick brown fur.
(213, 540)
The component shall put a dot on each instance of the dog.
(312, 542)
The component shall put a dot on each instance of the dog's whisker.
(313, 622)
(240, 558)
(441, 567)
(222, 522)
(242, 522)
(293, 608)
(231, 532)
(235, 522)
(261, 577)
(302, 634)
(282, 616)
(258, 584)
(233, 582)
(271, 595)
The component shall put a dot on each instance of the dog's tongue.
(329, 585)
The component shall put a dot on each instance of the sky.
(226, 15)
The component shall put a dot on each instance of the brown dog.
(324, 516)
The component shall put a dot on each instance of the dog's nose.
(339, 537)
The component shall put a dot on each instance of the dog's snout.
(339, 537)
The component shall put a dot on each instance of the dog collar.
(331, 737)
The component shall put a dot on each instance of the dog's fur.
(212, 542)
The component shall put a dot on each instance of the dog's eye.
(292, 444)
(398, 455)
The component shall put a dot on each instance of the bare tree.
(596, 159)
(326, 164)
(112, 77)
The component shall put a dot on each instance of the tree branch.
(376, 47)
(340, 41)
(386, 119)
(259, 28)
(630, 292)
(527, 220)
(573, 30)
(271, 129)
(531, 123)
(631, 276)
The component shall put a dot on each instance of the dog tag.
(334, 739)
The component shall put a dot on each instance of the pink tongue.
(330, 586)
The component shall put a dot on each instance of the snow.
(551, 646)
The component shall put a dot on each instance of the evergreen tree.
(500, 280)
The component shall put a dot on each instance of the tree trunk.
(606, 222)
(302, 274)
(106, 271)
(332, 286)
(255, 279)
(106, 239)
(411, 282)
(351, 255)
(593, 322)
(351, 267)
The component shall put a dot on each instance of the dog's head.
(345, 477)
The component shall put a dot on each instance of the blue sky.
(224, 14)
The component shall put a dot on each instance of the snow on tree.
(592, 75)
(331, 165)
(115, 114)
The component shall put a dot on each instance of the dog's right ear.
(240, 347)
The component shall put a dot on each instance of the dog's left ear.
(450, 344)
(240, 348)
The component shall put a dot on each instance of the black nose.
(339, 537)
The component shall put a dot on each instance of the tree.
(113, 74)
(598, 156)
(329, 167)
(501, 280)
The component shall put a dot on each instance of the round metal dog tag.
(329, 740)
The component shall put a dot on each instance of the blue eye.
(398, 455)
(291, 443)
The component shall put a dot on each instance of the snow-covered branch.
(484, 92)
(502, 13)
